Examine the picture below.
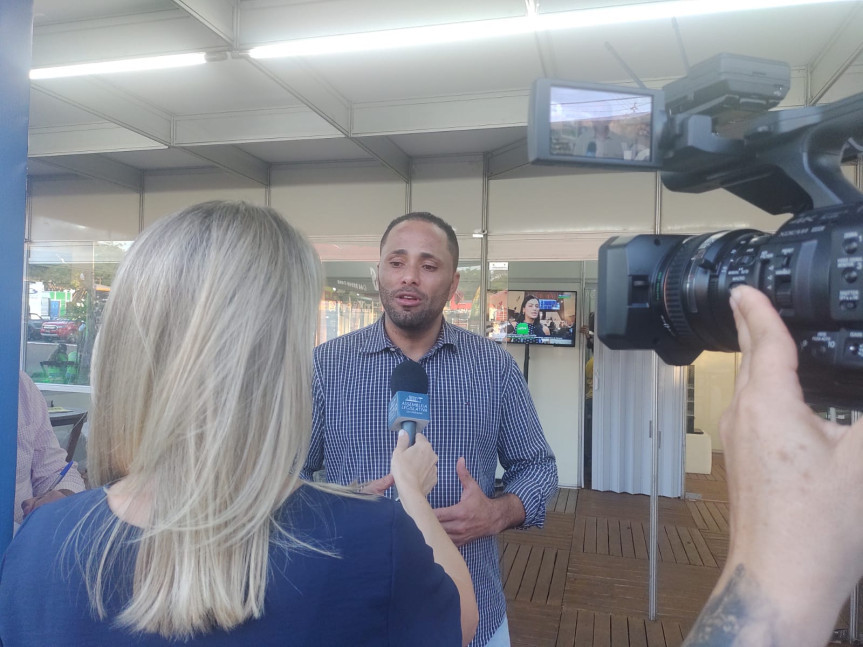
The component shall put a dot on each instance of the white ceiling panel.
(129, 36)
(157, 160)
(47, 112)
(37, 168)
(220, 86)
(48, 12)
(452, 99)
(267, 22)
(458, 68)
(318, 150)
(467, 142)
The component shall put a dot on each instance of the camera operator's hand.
(794, 483)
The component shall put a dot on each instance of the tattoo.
(738, 616)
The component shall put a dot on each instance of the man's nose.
(410, 275)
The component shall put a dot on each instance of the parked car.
(60, 329)
(34, 327)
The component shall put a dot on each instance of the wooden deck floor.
(581, 581)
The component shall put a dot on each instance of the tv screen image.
(593, 124)
(542, 317)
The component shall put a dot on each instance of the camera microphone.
(409, 406)
(591, 149)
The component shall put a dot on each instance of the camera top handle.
(787, 160)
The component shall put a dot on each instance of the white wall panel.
(555, 383)
(689, 213)
(567, 216)
(169, 192)
(585, 202)
(82, 209)
(715, 377)
(452, 189)
(338, 201)
(535, 246)
(556, 375)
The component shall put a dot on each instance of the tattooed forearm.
(738, 616)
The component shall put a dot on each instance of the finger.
(463, 474)
(378, 486)
(446, 515)
(403, 441)
(772, 352)
(743, 340)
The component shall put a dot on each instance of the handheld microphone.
(409, 406)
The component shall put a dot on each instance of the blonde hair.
(202, 403)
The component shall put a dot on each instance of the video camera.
(713, 129)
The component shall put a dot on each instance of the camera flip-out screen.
(595, 125)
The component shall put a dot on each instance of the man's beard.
(417, 319)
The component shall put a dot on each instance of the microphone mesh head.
(409, 376)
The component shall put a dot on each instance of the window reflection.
(350, 300)
(67, 287)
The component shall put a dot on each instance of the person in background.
(40, 457)
(59, 354)
(588, 423)
(200, 532)
(529, 314)
(480, 409)
(794, 482)
(600, 141)
(588, 333)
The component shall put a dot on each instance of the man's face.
(416, 275)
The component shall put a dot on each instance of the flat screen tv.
(542, 317)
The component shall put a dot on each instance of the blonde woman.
(201, 533)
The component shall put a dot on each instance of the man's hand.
(28, 505)
(378, 486)
(476, 515)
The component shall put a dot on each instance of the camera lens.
(694, 284)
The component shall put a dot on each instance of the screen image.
(594, 123)
(544, 317)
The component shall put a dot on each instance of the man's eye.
(430, 268)
(396, 263)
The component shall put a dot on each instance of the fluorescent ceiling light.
(126, 65)
(395, 38)
(482, 29)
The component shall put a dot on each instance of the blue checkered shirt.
(480, 408)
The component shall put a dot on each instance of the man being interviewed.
(480, 409)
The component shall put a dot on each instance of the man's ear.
(454, 286)
(373, 271)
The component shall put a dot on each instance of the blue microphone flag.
(409, 406)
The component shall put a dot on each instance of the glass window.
(67, 287)
(350, 300)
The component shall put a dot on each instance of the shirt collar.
(378, 340)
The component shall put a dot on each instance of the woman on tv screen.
(529, 314)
